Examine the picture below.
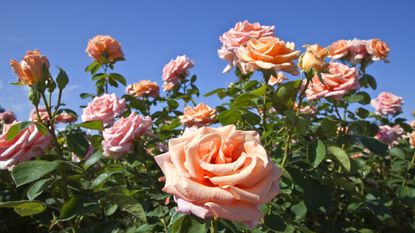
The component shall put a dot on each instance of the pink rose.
(7, 117)
(28, 144)
(389, 135)
(43, 113)
(175, 71)
(339, 80)
(118, 139)
(221, 172)
(387, 103)
(357, 50)
(239, 36)
(104, 108)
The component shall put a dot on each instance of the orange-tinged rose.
(221, 172)
(338, 49)
(145, 88)
(313, 58)
(201, 115)
(104, 49)
(29, 71)
(378, 49)
(412, 139)
(268, 53)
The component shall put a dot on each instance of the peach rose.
(30, 70)
(104, 49)
(104, 108)
(277, 80)
(313, 58)
(387, 103)
(201, 115)
(7, 117)
(412, 124)
(389, 135)
(28, 144)
(339, 80)
(143, 88)
(43, 113)
(175, 71)
(338, 49)
(267, 53)
(118, 139)
(378, 49)
(221, 172)
(412, 139)
(311, 110)
(239, 36)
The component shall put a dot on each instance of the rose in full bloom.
(239, 36)
(104, 108)
(175, 71)
(28, 144)
(339, 80)
(387, 103)
(7, 117)
(30, 70)
(43, 113)
(104, 49)
(313, 58)
(221, 172)
(389, 135)
(118, 139)
(378, 49)
(143, 88)
(267, 53)
(201, 115)
(338, 49)
(277, 80)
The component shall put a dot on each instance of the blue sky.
(153, 32)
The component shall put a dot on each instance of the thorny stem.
(214, 225)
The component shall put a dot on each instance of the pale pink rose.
(389, 135)
(201, 115)
(175, 71)
(387, 103)
(118, 139)
(88, 154)
(104, 108)
(7, 117)
(239, 36)
(357, 50)
(28, 144)
(277, 80)
(221, 172)
(43, 113)
(339, 80)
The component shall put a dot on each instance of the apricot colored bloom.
(267, 53)
(28, 144)
(104, 108)
(175, 71)
(338, 49)
(143, 88)
(30, 70)
(339, 80)
(313, 58)
(239, 36)
(277, 80)
(387, 103)
(378, 49)
(104, 49)
(118, 139)
(201, 115)
(311, 110)
(389, 135)
(412, 124)
(7, 117)
(221, 172)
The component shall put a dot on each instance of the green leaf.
(316, 152)
(77, 143)
(93, 67)
(99, 77)
(37, 188)
(230, 116)
(341, 156)
(284, 97)
(407, 195)
(103, 177)
(127, 203)
(374, 145)
(62, 79)
(189, 224)
(93, 159)
(78, 205)
(299, 209)
(102, 227)
(362, 113)
(15, 129)
(42, 128)
(24, 208)
(216, 91)
(29, 171)
(85, 95)
(95, 125)
(118, 77)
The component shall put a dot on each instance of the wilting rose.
(104, 49)
(221, 172)
(387, 103)
(43, 113)
(118, 139)
(143, 88)
(29, 143)
(378, 49)
(88, 154)
(65, 118)
(338, 49)
(201, 115)
(357, 50)
(313, 58)
(389, 135)
(30, 70)
(277, 80)
(339, 80)
(267, 53)
(7, 117)
(239, 36)
(104, 108)
(175, 71)
(412, 139)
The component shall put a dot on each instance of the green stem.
(264, 114)
(301, 97)
(408, 168)
(287, 147)
(106, 79)
(214, 225)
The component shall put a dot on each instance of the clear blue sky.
(153, 32)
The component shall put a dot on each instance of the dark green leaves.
(229, 117)
(77, 143)
(316, 152)
(189, 224)
(62, 79)
(27, 172)
(285, 95)
(95, 125)
(24, 208)
(78, 205)
(37, 188)
(340, 155)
